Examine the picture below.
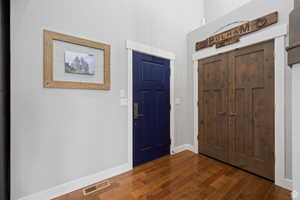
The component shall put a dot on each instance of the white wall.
(59, 135)
(252, 10)
(214, 9)
(296, 128)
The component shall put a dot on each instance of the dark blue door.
(151, 109)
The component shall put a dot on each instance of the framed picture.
(75, 63)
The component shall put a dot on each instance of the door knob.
(221, 113)
(136, 113)
(233, 114)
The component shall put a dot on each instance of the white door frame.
(278, 33)
(142, 48)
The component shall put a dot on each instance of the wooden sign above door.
(233, 35)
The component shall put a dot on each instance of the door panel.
(213, 92)
(251, 130)
(4, 100)
(236, 108)
(151, 95)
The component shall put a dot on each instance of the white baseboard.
(189, 147)
(78, 184)
(182, 148)
(178, 149)
(285, 183)
(295, 195)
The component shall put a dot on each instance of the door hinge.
(170, 107)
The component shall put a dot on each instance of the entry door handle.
(233, 114)
(221, 113)
(136, 114)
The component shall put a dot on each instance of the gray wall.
(252, 10)
(59, 135)
(296, 130)
(214, 9)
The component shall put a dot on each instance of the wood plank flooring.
(186, 176)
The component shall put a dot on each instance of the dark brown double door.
(236, 108)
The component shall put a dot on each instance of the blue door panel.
(151, 91)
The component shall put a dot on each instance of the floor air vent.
(96, 188)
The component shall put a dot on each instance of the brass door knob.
(136, 114)
(233, 114)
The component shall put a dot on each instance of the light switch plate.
(123, 102)
(122, 93)
(177, 101)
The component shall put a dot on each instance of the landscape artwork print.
(79, 63)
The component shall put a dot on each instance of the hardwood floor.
(186, 176)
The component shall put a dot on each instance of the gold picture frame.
(49, 82)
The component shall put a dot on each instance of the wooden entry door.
(240, 122)
(213, 107)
